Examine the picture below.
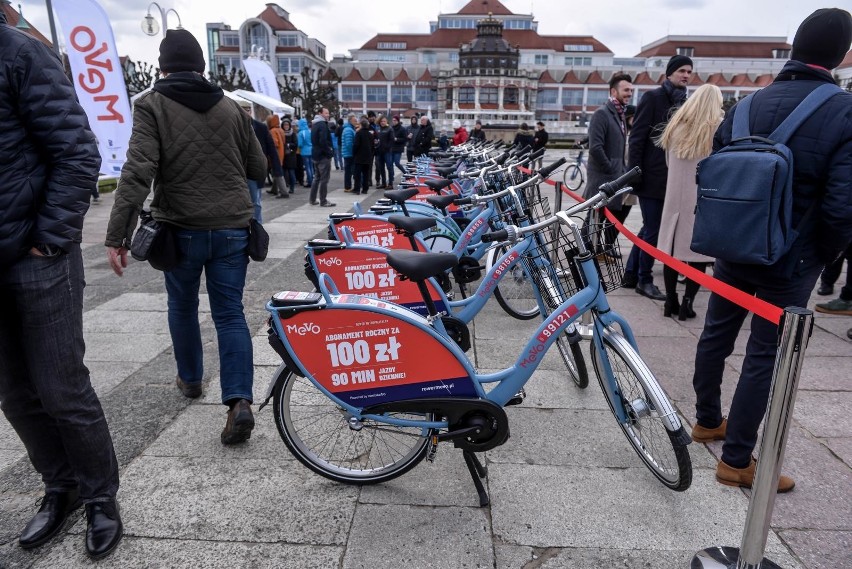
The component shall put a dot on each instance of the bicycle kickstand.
(477, 472)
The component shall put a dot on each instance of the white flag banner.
(98, 77)
(262, 78)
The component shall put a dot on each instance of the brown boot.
(239, 424)
(704, 435)
(744, 477)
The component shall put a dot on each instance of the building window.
(578, 61)
(426, 95)
(510, 96)
(597, 97)
(577, 47)
(548, 117)
(392, 45)
(400, 58)
(548, 97)
(429, 57)
(449, 95)
(290, 65)
(540, 59)
(229, 62)
(352, 93)
(400, 94)
(687, 51)
(230, 39)
(377, 94)
(454, 56)
(517, 24)
(256, 36)
(781, 53)
(466, 95)
(572, 97)
(320, 51)
(488, 95)
(288, 41)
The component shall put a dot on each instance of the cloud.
(685, 4)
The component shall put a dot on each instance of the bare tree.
(138, 76)
(311, 90)
(230, 80)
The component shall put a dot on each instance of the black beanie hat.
(676, 62)
(823, 38)
(179, 51)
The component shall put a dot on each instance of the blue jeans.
(308, 163)
(338, 158)
(721, 327)
(348, 170)
(254, 190)
(221, 254)
(639, 261)
(45, 391)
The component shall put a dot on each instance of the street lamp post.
(151, 27)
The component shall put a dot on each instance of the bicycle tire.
(572, 357)
(516, 296)
(375, 453)
(657, 446)
(573, 177)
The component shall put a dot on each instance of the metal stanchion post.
(557, 203)
(797, 325)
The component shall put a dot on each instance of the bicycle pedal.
(432, 450)
(518, 398)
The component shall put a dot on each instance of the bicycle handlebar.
(495, 236)
(609, 188)
(548, 170)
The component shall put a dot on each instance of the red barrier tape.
(761, 308)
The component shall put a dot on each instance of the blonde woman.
(687, 138)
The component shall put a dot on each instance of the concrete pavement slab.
(125, 347)
(142, 553)
(820, 549)
(105, 376)
(417, 537)
(148, 302)
(824, 414)
(117, 321)
(841, 447)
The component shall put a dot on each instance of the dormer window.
(781, 54)
(687, 51)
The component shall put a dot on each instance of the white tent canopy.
(264, 101)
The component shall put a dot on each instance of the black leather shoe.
(51, 516)
(629, 280)
(650, 290)
(239, 425)
(190, 390)
(104, 529)
(825, 289)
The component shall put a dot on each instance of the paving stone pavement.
(566, 489)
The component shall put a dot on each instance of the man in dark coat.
(654, 110)
(425, 135)
(822, 214)
(50, 164)
(607, 145)
(323, 152)
(540, 139)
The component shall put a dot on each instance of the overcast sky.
(347, 24)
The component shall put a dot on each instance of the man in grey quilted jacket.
(198, 149)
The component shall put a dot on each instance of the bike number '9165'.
(365, 358)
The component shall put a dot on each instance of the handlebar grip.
(626, 179)
(548, 170)
(463, 201)
(452, 176)
(502, 158)
(491, 236)
(537, 154)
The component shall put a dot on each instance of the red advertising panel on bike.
(378, 232)
(365, 358)
(360, 271)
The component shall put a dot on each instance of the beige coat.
(679, 210)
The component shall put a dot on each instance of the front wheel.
(320, 434)
(650, 415)
(572, 357)
(573, 177)
(515, 293)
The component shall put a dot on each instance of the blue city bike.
(368, 388)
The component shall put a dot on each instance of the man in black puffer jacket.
(49, 165)
(822, 214)
(654, 111)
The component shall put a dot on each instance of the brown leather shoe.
(744, 477)
(704, 435)
(190, 390)
(239, 425)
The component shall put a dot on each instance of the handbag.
(155, 242)
(258, 241)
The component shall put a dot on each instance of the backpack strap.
(740, 127)
(806, 108)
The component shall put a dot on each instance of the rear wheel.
(320, 434)
(573, 177)
(650, 415)
(515, 293)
